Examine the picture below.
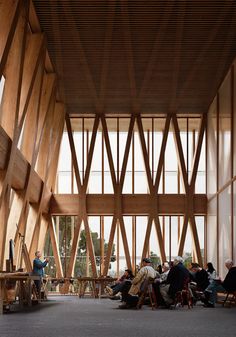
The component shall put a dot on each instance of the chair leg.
(141, 300)
(183, 297)
(226, 299)
(189, 300)
(232, 299)
(152, 297)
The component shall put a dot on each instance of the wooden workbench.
(25, 282)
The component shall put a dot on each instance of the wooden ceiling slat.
(186, 59)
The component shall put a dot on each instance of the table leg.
(21, 296)
(1, 296)
(29, 292)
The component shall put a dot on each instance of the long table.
(96, 284)
(25, 281)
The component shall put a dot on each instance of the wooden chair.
(147, 291)
(184, 296)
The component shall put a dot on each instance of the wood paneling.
(30, 129)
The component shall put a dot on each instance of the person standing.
(38, 269)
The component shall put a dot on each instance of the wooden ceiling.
(144, 56)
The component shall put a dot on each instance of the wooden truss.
(32, 120)
(117, 205)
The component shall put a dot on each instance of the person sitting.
(130, 293)
(228, 285)
(165, 272)
(201, 276)
(176, 278)
(160, 281)
(211, 272)
(159, 269)
(119, 284)
(199, 281)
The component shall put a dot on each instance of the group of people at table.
(170, 279)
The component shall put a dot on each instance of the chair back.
(146, 290)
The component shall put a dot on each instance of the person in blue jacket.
(38, 269)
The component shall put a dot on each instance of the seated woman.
(211, 272)
(119, 284)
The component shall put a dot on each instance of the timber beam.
(20, 171)
(141, 204)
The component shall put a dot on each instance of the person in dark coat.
(176, 279)
(201, 276)
(199, 281)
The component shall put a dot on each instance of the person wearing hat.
(130, 298)
(119, 284)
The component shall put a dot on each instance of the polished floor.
(69, 316)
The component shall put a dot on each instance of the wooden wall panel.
(21, 167)
(221, 174)
(30, 127)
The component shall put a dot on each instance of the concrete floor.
(69, 316)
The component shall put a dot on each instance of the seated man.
(130, 293)
(175, 281)
(229, 285)
(119, 284)
(200, 281)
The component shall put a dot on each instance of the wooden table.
(25, 281)
(97, 285)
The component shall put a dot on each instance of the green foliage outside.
(80, 266)
(65, 242)
(155, 259)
